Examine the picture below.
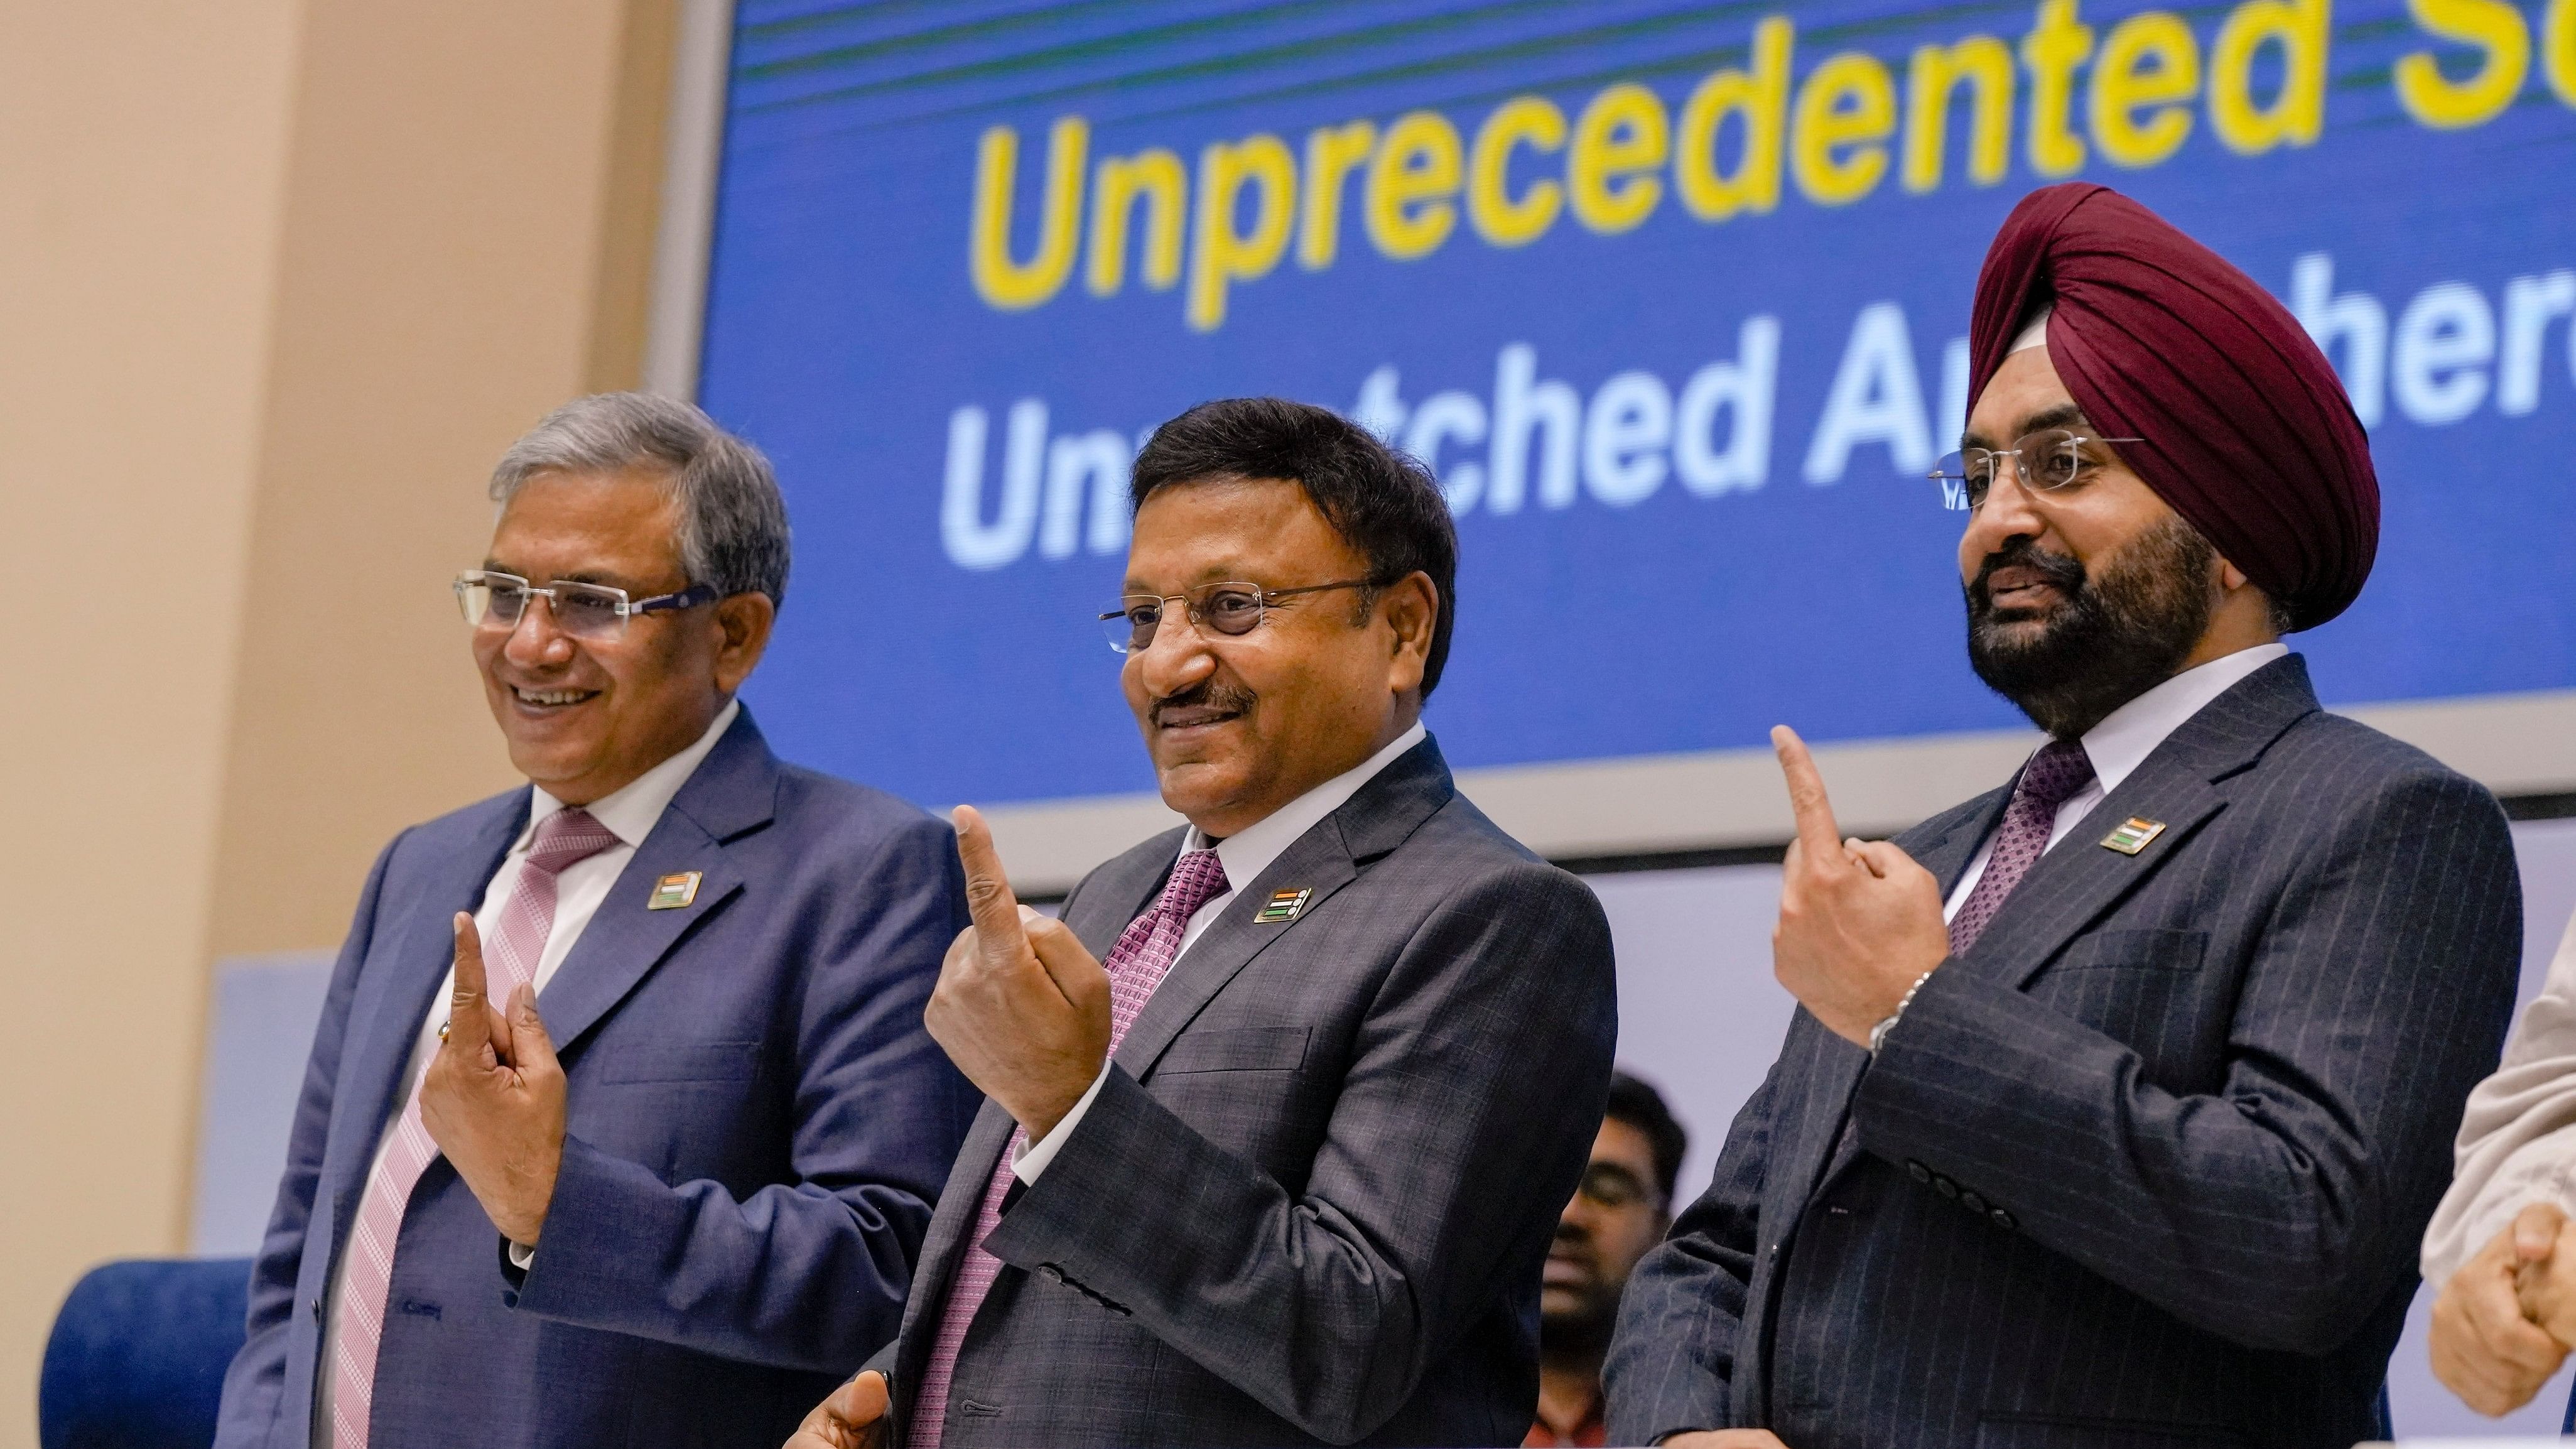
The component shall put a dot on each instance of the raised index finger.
(1816, 830)
(999, 936)
(469, 1022)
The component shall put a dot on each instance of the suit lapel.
(944, 1243)
(1327, 857)
(2079, 879)
(1945, 845)
(423, 947)
(733, 790)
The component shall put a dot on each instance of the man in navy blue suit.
(621, 1124)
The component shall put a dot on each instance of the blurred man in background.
(1619, 1211)
(2119, 1097)
(677, 1125)
(1282, 1112)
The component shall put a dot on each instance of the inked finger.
(1814, 814)
(998, 933)
(469, 1020)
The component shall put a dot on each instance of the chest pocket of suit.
(1235, 1049)
(681, 1061)
(2135, 950)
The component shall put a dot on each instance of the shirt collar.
(631, 811)
(1249, 851)
(2127, 735)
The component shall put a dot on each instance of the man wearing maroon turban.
(2119, 1095)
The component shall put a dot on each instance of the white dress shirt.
(1245, 855)
(2124, 739)
(630, 814)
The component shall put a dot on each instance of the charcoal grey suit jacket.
(2147, 1165)
(1313, 1198)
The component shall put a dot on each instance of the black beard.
(2115, 634)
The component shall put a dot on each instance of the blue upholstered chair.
(138, 1354)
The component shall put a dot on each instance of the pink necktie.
(511, 956)
(2053, 776)
(1145, 951)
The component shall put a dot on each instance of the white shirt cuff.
(1035, 1156)
(520, 1257)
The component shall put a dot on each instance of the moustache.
(2061, 571)
(1206, 694)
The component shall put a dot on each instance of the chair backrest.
(138, 1354)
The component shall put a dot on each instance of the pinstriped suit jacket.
(1313, 1198)
(2147, 1165)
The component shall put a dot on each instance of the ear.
(2230, 577)
(1411, 608)
(743, 622)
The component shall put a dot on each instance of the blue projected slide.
(1673, 297)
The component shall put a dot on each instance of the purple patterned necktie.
(2053, 777)
(1145, 951)
(517, 942)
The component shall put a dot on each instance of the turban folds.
(2248, 433)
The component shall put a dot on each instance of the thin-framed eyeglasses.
(2045, 461)
(1228, 609)
(495, 600)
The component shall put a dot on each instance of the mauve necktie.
(1145, 950)
(2052, 778)
(510, 957)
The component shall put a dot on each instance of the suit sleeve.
(1473, 1089)
(1671, 1366)
(2278, 1210)
(255, 1385)
(2517, 1143)
(807, 1274)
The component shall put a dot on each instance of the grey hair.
(733, 523)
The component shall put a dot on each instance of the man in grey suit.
(1281, 1113)
(2119, 1096)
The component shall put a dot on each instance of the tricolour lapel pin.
(2133, 835)
(674, 891)
(1284, 905)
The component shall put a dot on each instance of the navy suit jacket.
(758, 1127)
(2148, 1165)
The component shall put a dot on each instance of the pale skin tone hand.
(1724, 1439)
(1860, 922)
(1021, 1007)
(853, 1417)
(493, 1098)
(2486, 1345)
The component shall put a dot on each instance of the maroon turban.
(2248, 433)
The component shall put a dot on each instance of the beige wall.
(278, 280)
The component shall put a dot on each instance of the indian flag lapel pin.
(675, 891)
(1284, 905)
(2133, 835)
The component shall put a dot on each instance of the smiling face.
(2082, 598)
(1239, 726)
(584, 717)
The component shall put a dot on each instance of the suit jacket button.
(1972, 1202)
(1917, 1171)
(1945, 1187)
(2002, 1219)
(1053, 1273)
(317, 1310)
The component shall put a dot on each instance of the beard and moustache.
(2115, 633)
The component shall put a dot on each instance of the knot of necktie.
(567, 837)
(2056, 774)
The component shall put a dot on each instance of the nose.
(535, 641)
(2008, 512)
(1177, 657)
